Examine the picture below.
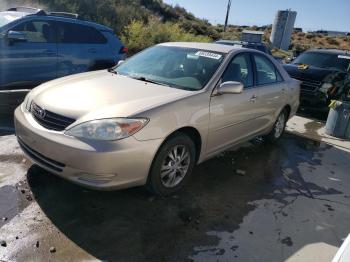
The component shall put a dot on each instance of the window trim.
(251, 64)
(57, 23)
(52, 24)
(277, 72)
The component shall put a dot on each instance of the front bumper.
(104, 165)
(314, 100)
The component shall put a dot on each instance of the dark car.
(252, 45)
(325, 75)
(36, 46)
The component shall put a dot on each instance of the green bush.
(139, 35)
(332, 41)
(310, 36)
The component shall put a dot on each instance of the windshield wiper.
(112, 70)
(144, 79)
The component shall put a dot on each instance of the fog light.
(97, 178)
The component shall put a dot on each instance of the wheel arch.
(288, 109)
(193, 134)
(189, 131)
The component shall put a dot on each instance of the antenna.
(227, 14)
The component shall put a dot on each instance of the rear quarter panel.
(294, 95)
(114, 45)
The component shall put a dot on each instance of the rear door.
(81, 48)
(32, 61)
(272, 89)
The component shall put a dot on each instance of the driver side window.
(240, 70)
(36, 31)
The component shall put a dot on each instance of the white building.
(282, 29)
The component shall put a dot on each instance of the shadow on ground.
(6, 122)
(313, 114)
(132, 225)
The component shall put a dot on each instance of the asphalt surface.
(261, 202)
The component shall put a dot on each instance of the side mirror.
(120, 62)
(230, 87)
(14, 36)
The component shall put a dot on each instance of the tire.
(172, 166)
(278, 127)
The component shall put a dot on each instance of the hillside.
(119, 13)
(141, 23)
(300, 41)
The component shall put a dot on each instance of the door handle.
(92, 50)
(253, 98)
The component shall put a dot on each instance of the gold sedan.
(152, 118)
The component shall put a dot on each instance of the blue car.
(36, 46)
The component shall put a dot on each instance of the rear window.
(267, 73)
(78, 34)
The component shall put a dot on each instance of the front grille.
(50, 120)
(309, 84)
(43, 160)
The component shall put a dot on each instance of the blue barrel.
(338, 121)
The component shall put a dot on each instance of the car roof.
(330, 51)
(24, 14)
(76, 20)
(238, 42)
(14, 13)
(204, 46)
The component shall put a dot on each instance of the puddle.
(13, 201)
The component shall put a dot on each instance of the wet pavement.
(314, 129)
(6, 124)
(261, 202)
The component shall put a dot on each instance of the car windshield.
(323, 60)
(7, 17)
(184, 68)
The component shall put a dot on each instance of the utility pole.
(227, 14)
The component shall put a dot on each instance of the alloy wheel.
(279, 126)
(175, 166)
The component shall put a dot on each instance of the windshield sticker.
(209, 55)
(344, 57)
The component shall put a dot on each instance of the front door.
(31, 61)
(234, 116)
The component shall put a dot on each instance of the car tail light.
(123, 50)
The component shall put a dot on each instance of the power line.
(227, 14)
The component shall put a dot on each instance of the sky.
(312, 14)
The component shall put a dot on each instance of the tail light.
(123, 50)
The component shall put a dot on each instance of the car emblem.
(38, 111)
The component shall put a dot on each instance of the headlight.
(27, 101)
(108, 129)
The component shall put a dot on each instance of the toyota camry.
(152, 118)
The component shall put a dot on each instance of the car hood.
(309, 73)
(102, 94)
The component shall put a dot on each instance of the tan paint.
(221, 120)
